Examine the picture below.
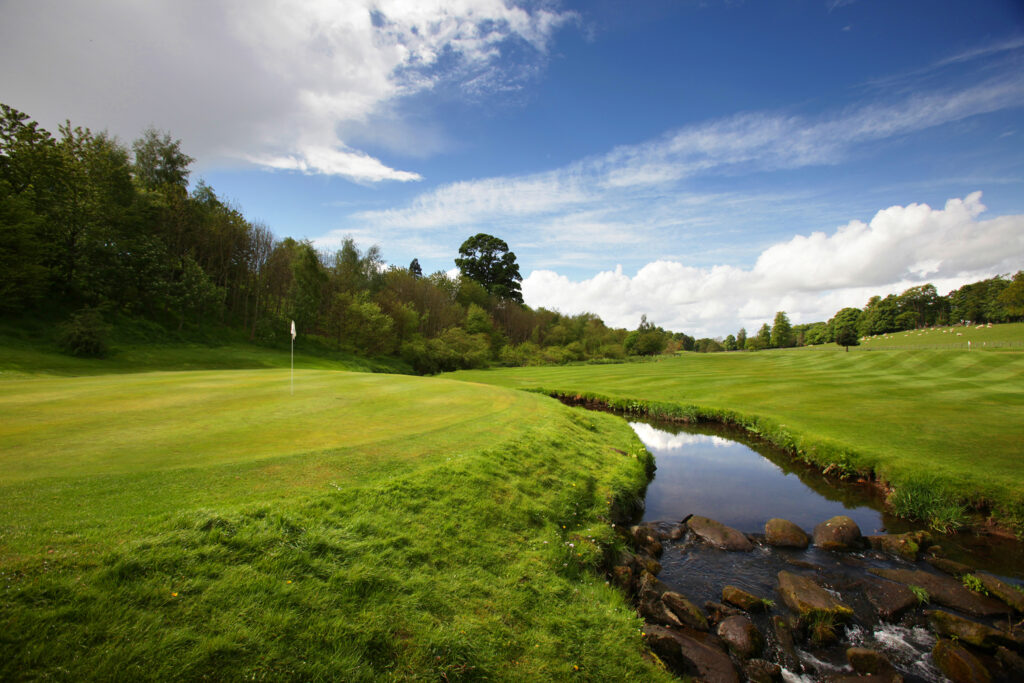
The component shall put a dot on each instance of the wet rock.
(646, 538)
(955, 569)
(651, 565)
(784, 643)
(945, 591)
(1002, 591)
(687, 655)
(806, 598)
(906, 546)
(677, 532)
(687, 612)
(889, 599)
(869, 662)
(719, 535)
(1012, 663)
(717, 611)
(625, 572)
(958, 664)
(649, 602)
(838, 533)
(761, 671)
(970, 632)
(741, 636)
(782, 533)
(742, 599)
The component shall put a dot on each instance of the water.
(722, 473)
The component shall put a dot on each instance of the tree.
(159, 161)
(741, 339)
(764, 337)
(846, 335)
(729, 343)
(414, 269)
(487, 260)
(1012, 298)
(782, 331)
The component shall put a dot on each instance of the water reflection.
(702, 471)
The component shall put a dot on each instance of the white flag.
(293, 330)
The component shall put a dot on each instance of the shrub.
(84, 334)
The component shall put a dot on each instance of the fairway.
(953, 416)
(174, 526)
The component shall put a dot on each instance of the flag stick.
(293, 358)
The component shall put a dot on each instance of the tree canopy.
(486, 259)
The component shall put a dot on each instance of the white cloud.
(262, 81)
(809, 276)
(644, 186)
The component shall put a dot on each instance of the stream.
(721, 473)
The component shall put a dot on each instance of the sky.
(704, 162)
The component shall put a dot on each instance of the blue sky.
(706, 163)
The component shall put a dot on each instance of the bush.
(85, 334)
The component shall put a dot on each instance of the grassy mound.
(370, 527)
(946, 423)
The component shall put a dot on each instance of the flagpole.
(293, 358)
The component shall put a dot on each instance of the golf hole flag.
(293, 357)
(293, 330)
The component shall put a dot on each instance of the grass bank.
(944, 428)
(170, 526)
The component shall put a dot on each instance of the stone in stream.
(719, 535)
(838, 533)
(685, 654)
(945, 591)
(806, 598)
(889, 599)
(742, 599)
(687, 612)
(906, 546)
(761, 671)
(1002, 590)
(955, 569)
(741, 636)
(970, 632)
(869, 662)
(781, 533)
(1012, 663)
(717, 611)
(785, 645)
(646, 538)
(958, 664)
(649, 602)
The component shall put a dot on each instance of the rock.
(782, 533)
(906, 546)
(889, 599)
(970, 632)
(741, 636)
(838, 533)
(869, 662)
(649, 602)
(677, 532)
(719, 535)
(647, 538)
(743, 599)
(687, 612)
(867, 678)
(1002, 590)
(760, 671)
(687, 655)
(650, 564)
(806, 598)
(785, 645)
(945, 591)
(958, 664)
(1012, 663)
(950, 567)
(625, 571)
(717, 611)
(649, 586)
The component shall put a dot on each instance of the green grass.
(171, 526)
(950, 420)
(982, 338)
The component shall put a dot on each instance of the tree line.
(997, 299)
(94, 229)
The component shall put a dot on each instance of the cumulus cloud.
(809, 276)
(262, 81)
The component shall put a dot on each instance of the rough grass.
(951, 419)
(982, 338)
(171, 526)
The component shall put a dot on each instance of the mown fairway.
(209, 524)
(953, 420)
